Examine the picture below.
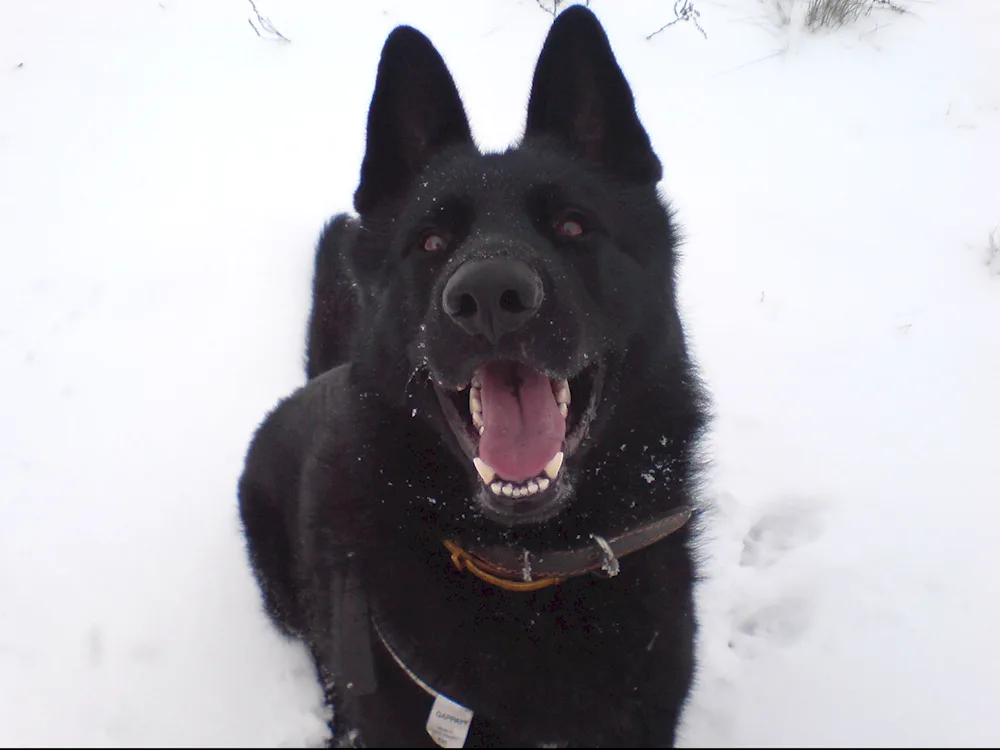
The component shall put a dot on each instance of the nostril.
(467, 307)
(492, 297)
(510, 301)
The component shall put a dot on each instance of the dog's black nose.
(493, 297)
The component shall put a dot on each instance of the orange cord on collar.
(463, 561)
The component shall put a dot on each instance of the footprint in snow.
(779, 531)
(779, 607)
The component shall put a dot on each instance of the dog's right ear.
(415, 112)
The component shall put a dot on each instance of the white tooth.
(477, 380)
(532, 486)
(496, 487)
(561, 392)
(564, 410)
(462, 387)
(518, 492)
(508, 490)
(477, 420)
(475, 402)
(543, 484)
(481, 428)
(553, 466)
(485, 470)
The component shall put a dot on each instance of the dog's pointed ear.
(415, 112)
(580, 96)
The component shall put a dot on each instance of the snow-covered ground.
(164, 173)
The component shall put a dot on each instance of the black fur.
(354, 481)
(335, 299)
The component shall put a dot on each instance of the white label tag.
(448, 723)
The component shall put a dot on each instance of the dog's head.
(509, 297)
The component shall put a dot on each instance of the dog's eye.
(569, 228)
(433, 243)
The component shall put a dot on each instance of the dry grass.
(833, 14)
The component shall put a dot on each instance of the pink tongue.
(522, 426)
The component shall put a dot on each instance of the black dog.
(477, 511)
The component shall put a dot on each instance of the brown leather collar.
(515, 569)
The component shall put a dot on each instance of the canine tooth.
(496, 487)
(561, 392)
(477, 421)
(508, 490)
(553, 466)
(475, 401)
(564, 410)
(485, 470)
(543, 484)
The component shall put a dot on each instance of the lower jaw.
(529, 510)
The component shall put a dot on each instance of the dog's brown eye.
(433, 243)
(569, 228)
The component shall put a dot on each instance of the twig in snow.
(266, 25)
(684, 10)
(552, 10)
(776, 53)
(993, 250)
(555, 6)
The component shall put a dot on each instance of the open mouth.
(518, 426)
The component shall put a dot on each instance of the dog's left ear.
(580, 96)
(415, 112)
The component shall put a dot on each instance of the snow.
(164, 173)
